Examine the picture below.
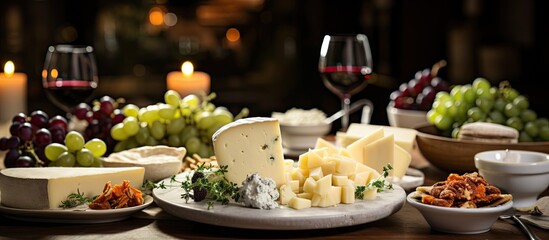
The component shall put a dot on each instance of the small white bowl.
(302, 137)
(459, 220)
(405, 118)
(523, 174)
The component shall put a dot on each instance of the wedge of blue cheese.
(46, 188)
(250, 145)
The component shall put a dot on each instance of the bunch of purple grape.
(419, 92)
(100, 117)
(29, 137)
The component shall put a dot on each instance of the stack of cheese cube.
(328, 175)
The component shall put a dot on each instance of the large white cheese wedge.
(250, 145)
(46, 188)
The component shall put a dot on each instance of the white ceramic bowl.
(405, 118)
(459, 220)
(302, 137)
(523, 174)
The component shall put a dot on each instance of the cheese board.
(235, 215)
(76, 215)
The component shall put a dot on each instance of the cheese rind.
(250, 145)
(46, 188)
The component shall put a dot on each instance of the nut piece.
(192, 162)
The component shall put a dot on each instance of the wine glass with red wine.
(69, 76)
(345, 66)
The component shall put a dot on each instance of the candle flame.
(54, 73)
(9, 69)
(187, 68)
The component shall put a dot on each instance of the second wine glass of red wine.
(69, 76)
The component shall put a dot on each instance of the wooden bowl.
(457, 156)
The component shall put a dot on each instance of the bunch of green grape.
(186, 122)
(75, 152)
(482, 102)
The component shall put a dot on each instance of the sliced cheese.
(401, 162)
(404, 137)
(380, 153)
(348, 194)
(46, 188)
(323, 143)
(355, 149)
(342, 139)
(250, 145)
(305, 195)
(286, 194)
(299, 203)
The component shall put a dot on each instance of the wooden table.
(405, 224)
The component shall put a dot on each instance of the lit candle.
(13, 92)
(187, 81)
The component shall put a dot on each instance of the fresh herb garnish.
(75, 199)
(211, 185)
(149, 185)
(379, 183)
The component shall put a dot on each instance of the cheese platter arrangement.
(324, 188)
(281, 218)
(331, 184)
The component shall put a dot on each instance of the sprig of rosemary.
(379, 183)
(219, 189)
(75, 199)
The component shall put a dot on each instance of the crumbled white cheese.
(258, 192)
(297, 116)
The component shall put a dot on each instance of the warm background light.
(54, 73)
(232, 35)
(13, 93)
(187, 68)
(188, 81)
(156, 16)
(9, 68)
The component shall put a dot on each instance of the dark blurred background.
(273, 65)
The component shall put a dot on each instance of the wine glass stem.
(345, 105)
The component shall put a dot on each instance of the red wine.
(69, 93)
(345, 79)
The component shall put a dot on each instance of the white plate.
(413, 178)
(73, 216)
(282, 218)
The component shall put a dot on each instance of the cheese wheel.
(46, 188)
